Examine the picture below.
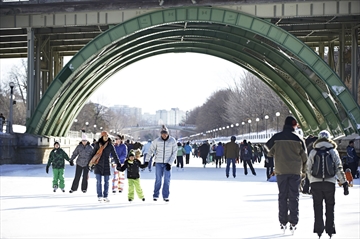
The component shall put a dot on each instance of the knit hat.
(103, 133)
(84, 137)
(56, 142)
(324, 134)
(131, 153)
(290, 121)
(164, 130)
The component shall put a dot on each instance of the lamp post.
(12, 85)
(232, 129)
(249, 121)
(242, 131)
(75, 123)
(257, 126)
(237, 130)
(266, 118)
(277, 121)
(94, 128)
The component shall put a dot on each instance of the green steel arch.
(313, 92)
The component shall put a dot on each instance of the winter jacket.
(289, 152)
(331, 145)
(204, 150)
(164, 150)
(351, 154)
(122, 152)
(103, 166)
(132, 167)
(180, 151)
(231, 150)
(145, 148)
(246, 152)
(83, 154)
(219, 151)
(188, 149)
(56, 158)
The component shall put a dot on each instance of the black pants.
(84, 183)
(187, 158)
(269, 171)
(180, 161)
(306, 187)
(204, 159)
(323, 191)
(353, 166)
(218, 161)
(248, 162)
(288, 185)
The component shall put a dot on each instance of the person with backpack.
(246, 156)
(323, 166)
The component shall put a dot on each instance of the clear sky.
(173, 80)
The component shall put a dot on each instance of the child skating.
(57, 160)
(132, 164)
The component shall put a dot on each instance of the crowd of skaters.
(289, 151)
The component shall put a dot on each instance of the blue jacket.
(122, 151)
(187, 148)
(220, 150)
(351, 154)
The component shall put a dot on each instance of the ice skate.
(292, 229)
(100, 199)
(283, 228)
(106, 200)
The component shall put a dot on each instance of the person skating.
(164, 150)
(82, 154)
(231, 151)
(132, 164)
(290, 156)
(323, 186)
(57, 159)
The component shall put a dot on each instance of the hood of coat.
(323, 142)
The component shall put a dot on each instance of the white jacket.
(164, 151)
(335, 155)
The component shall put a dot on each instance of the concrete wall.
(31, 149)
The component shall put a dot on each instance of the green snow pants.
(135, 183)
(58, 178)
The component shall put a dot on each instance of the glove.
(168, 167)
(146, 164)
(71, 162)
(118, 167)
(346, 188)
(47, 169)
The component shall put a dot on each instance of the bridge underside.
(311, 90)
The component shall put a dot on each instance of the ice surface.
(203, 204)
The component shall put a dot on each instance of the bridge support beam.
(321, 50)
(354, 61)
(341, 60)
(331, 56)
(30, 74)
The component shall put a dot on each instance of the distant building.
(162, 117)
(176, 116)
(149, 119)
(131, 112)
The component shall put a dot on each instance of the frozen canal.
(203, 204)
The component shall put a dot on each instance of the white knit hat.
(84, 137)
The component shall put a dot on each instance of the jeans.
(228, 162)
(159, 174)
(288, 185)
(99, 191)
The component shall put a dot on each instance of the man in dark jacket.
(352, 158)
(204, 150)
(231, 152)
(246, 156)
(102, 168)
(290, 155)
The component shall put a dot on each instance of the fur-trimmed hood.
(323, 142)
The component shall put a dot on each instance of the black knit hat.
(291, 121)
(57, 142)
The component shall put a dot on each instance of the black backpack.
(324, 165)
